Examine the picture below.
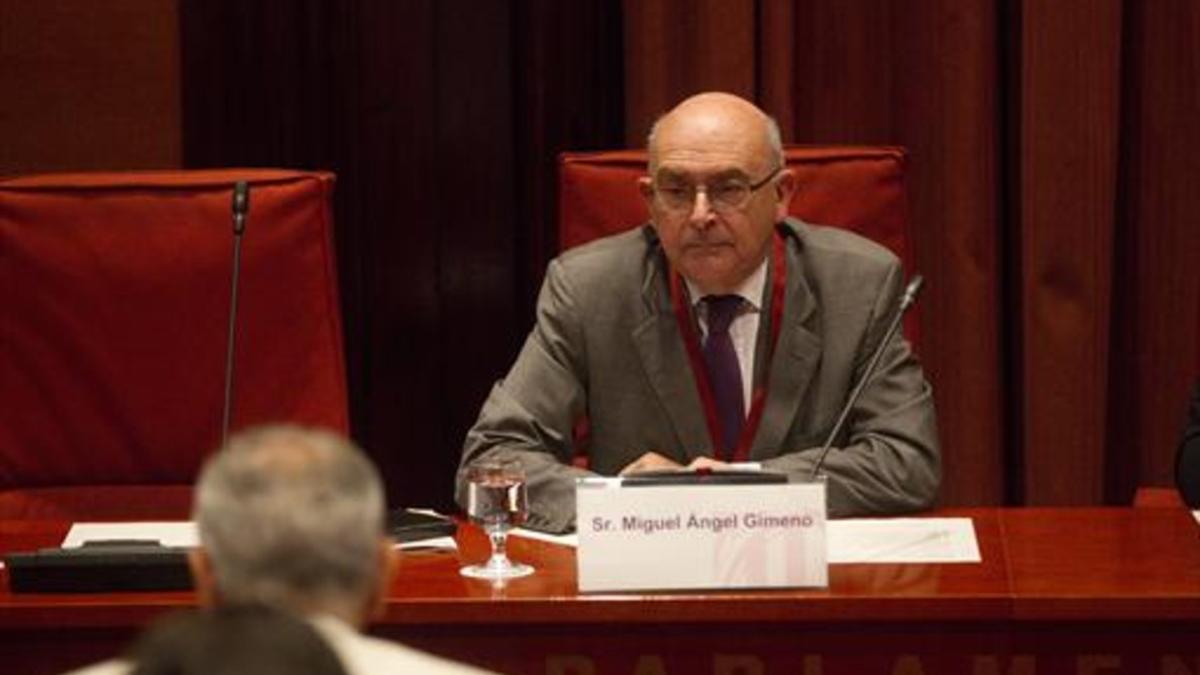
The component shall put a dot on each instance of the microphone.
(241, 206)
(241, 209)
(906, 301)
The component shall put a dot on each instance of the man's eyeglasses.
(727, 195)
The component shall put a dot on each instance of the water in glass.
(497, 502)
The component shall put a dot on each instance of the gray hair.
(774, 139)
(291, 518)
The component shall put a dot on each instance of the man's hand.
(707, 463)
(651, 461)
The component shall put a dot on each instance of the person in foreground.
(293, 519)
(1187, 458)
(722, 331)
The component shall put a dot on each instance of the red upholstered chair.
(1157, 497)
(858, 188)
(113, 330)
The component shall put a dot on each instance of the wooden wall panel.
(947, 108)
(1156, 293)
(921, 75)
(676, 48)
(1069, 99)
(88, 85)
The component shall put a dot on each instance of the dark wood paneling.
(88, 86)
(946, 102)
(1156, 292)
(921, 75)
(676, 48)
(1069, 96)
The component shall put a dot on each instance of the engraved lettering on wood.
(1023, 664)
(569, 664)
(1097, 664)
(908, 664)
(650, 664)
(737, 664)
(1173, 664)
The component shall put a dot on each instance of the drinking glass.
(497, 502)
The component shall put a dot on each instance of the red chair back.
(117, 292)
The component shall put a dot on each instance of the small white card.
(675, 537)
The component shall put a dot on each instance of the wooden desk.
(1059, 591)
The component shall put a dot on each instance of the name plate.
(676, 537)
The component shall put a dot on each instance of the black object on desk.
(405, 525)
(100, 566)
(702, 477)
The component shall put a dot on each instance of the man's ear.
(785, 187)
(388, 560)
(203, 578)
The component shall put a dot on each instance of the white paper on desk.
(181, 534)
(902, 540)
(434, 544)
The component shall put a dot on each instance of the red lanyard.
(682, 305)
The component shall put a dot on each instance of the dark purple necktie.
(724, 374)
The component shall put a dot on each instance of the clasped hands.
(652, 461)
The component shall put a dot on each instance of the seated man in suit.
(720, 332)
(293, 519)
(1187, 458)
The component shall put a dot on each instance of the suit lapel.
(794, 363)
(664, 359)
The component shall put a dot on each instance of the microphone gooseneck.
(241, 210)
(906, 300)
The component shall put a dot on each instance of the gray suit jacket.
(607, 346)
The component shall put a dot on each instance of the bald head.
(719, 122)
(717, 185)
